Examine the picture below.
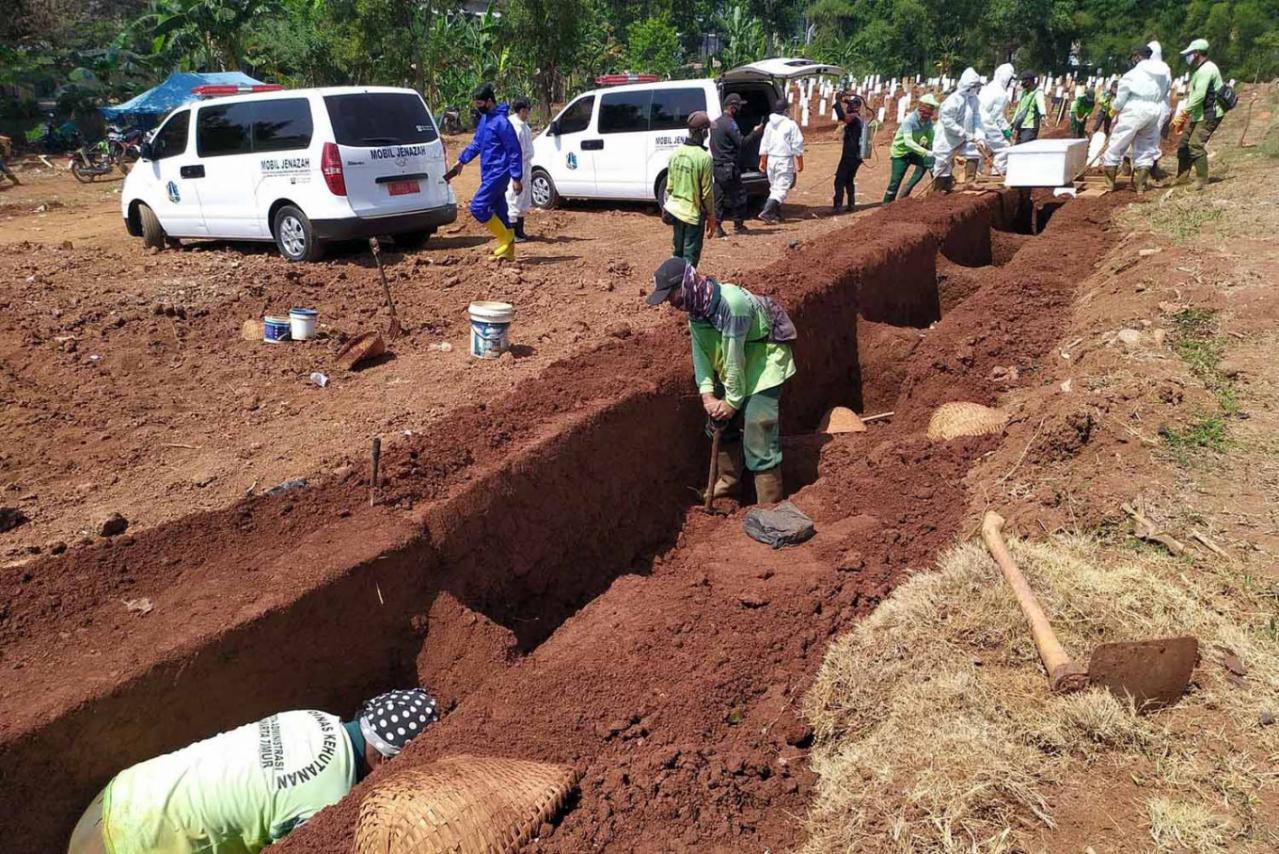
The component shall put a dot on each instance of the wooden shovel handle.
(1063, 674)
(708, 500)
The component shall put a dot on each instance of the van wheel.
(414, 239)
(153, 236)
(659, 193)
(294, 236)
(543, 191)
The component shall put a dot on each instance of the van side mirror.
(146, 151)
(554, 127)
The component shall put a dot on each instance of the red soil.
(675, 692)
(664, 663)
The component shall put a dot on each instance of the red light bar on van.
(623, 79)
(214, 90)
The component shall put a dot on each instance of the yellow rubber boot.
(504, 236)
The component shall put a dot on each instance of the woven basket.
(952, 420)
(462, 805)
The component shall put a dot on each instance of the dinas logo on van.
(397, 151)
(174, 195)
(572, 160)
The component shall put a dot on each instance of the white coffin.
(1046, 162)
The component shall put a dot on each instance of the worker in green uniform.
(690, 191)
(1031, 109)
(741, 358)
(1080, 110)
(1204, 112)
(912, 146)
(238, 792)
(1106, 108)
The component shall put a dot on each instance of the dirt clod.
(112, 525)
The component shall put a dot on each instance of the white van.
(300, 168)
(614, 143)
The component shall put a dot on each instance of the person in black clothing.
(726, 152)
(848, 111)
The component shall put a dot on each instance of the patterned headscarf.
(699, 293)
(389, 721)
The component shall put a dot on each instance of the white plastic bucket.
(490, 328)
(275, 329)
(302, 323)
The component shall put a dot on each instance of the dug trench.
(536, 567)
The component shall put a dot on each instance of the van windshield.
(368, 119)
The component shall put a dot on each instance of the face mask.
(476, 115)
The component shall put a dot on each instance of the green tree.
(202, 34)
(653, 46)
(743, 36)
(550, 38)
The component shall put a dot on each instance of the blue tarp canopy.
(173, 93)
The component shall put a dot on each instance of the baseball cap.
(699, 120)
(1196, 46)
(483, 92)
(733, 100)
(928, 100)
(669, 276)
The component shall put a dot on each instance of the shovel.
(392, 331)
(708, 498)
(1154, 673)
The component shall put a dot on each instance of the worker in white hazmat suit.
(1159, 69)
(781, 157)
(517, 203)
(961, 128)
(1137, 125)
(994, 98)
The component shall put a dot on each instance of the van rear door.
(391, 153)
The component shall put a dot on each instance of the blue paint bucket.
(490, 328)
(275, 329)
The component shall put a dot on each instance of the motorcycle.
(119, 150)
(451, 120)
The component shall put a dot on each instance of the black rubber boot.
(739, 226)
(720, 232)
(520, 236)
(944, 183)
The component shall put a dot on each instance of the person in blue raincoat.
(501, 164)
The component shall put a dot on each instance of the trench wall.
(522, 540)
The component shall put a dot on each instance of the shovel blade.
(1154, 673)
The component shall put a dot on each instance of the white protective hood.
(1004, 75)
(969, 81)
(1156, 51)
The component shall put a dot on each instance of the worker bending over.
(726, 165)
(850, 159)
(501, 163)
(238, 792)
(781, 157)
(1031, 109)
(1140, 94)
(1204, 112)
(741, 358)
(993, 99)
(690, 191)
(518, 200)
(961, 128)
(1106, 108)
(911, 147)
(1080, 111)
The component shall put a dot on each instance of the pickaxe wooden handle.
(1064, 675)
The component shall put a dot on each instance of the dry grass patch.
(935, 730)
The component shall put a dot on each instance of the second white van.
(614, 143)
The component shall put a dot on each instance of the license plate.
(403, 188)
